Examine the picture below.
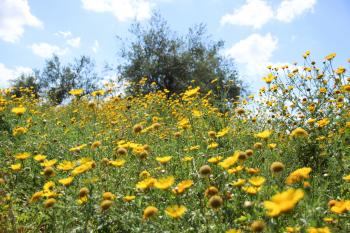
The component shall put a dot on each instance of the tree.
(26, 84)
(164, 60)
(57, 80)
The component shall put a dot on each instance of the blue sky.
(256, 32)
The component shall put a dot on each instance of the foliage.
(148, 163)
(160, 59)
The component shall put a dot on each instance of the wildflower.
(297, 175)
(223, 132)
(340, 70)
(122, 151)
(95, 144)
(276, 167)
(50, 202)
(76, 92)
(212, 134)
(144, 174)
(249, 152)
(82, 168)
(137, 128)
(83, 192)
(65, 166)
(117, 163)
(215, 159)
(66, 181)
(187, 159)
(129, 198)
(264, 135)
(48, 171)
(233, 231)
(146, 183)
(191, 92)
(98, 93)
(318, 230)
(19, 111)
(251, 189)
(299, 132)
(269, 78)
(205, 170)
(16, 167)
(258, 145)
(283, 202)
(22, 156)
(212, 145)
(322, 123)
(175, 211)
(340, 207)
(19, 131)
(211, 191)
(182, 186)
(39, 158)
(164, 183)
(215, 202)
(48, 163)
(164, 159)
(330, 56)
(238, 183)
(229, 161)
(257, 181)
(347, 178)
(257, 226)
(106, 204)
(272, 146)
(36, 196)
(149, 211)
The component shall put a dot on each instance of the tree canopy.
(158, 58)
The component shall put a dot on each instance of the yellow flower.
(19, 131)
(190, 93)
(347, 178)
(182, 186)
(238, 183)
(330, 56)
(251, 189)
(66, 181)
(149, 211)
(96, 144)
(48, 163)
(283, 202)
(269, 78)
(298, 175)
(39, 158)
(257, 180)
(76, 92)
(340, 70)
(322, 123)
(318, 230)
(299, 132)
(117, 163)
(264, 135)
(146, 183)
(65, 166)
(340, 207)
(223, 132)
(175, 211)
(98, 93)
(22, 156)
(82, 168)
(164, 159)
(197, 113)
(129, 198)
(215, 159)
(16, 167)
(229, 161)
(233, 231)
(36, 196)
(164, 183)
(187, 159)
(212, 145)
(272, 146)
(19, 111)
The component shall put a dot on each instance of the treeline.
(156, 58)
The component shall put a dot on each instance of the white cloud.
(95, 47)
(46, 50)
(6, 74)
(254, 52)
(122, 9)
(289, 9)
(14, 15)
(254, 13)
(74, 42)
(64, 34)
